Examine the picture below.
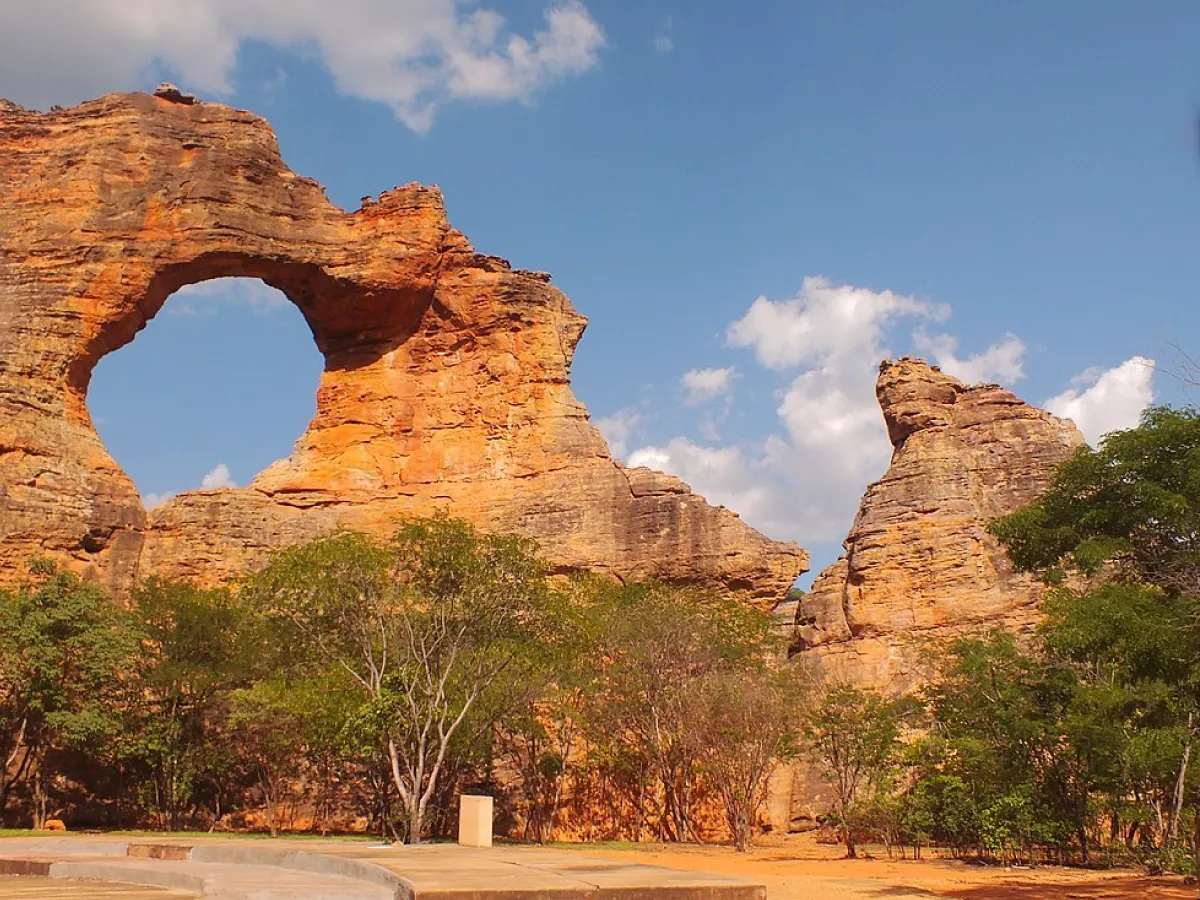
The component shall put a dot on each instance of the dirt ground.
(798, 868)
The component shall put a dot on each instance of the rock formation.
(919, 561)
(445, 382)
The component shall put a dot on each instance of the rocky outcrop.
(446, 371)
(919, 561)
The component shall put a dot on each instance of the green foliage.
(940, 809)
(197, 646)
(442, 630)
(657, 646)
(1116, 666)
(1133, 503)
(1012, 825)
(745, 723)
(63, 647)
(855, 734)
(268, 723)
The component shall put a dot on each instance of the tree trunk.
(1180, 783)
(39, 801)
(269, 800)
(413, 808)
(1196, 843)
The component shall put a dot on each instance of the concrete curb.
(63, 846)
(164, 865)
(143, 875)
(304, 861)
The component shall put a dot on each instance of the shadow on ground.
(1100, 889)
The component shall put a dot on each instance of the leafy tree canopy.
(1134, 503)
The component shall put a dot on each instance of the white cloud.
(412, 55)
(196, 298)
(617, 429)
(725, 475)
(1114, 399)
(219, 477)
(1002, 362)
(804, 481)
(706, 384)
(663, 42)
(824, 324)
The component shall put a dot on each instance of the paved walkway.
(14, 887)
(231, 869)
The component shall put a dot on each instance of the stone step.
(223, 880)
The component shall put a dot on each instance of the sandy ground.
(798, 868)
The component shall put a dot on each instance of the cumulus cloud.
(152, 500)
(218, 477)
(825, 324)
(1001, 363)
(195, 299)
(804, 479)
(730, 476)
(412, 55)
(1113, 399)
(617, 429)
(706, 384)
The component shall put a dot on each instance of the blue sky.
(1012, 189)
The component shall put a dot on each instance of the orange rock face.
(919, 562)
(446, 371)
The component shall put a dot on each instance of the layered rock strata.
(445, 383)
(919, 562)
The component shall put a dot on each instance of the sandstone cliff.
(445, 382)
(919, 561)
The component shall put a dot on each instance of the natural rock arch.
(445, 381)
(219, 385)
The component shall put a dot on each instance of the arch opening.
(219, 384)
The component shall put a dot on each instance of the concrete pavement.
(245, 869)
(22, 888)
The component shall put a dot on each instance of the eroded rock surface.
(445, 381)
(919, 562)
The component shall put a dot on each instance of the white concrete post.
(474, 821)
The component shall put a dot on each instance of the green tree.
(658, 644)
(541, 739)
(1130, 646)
(940, 808)
(1119, 532)
(267, 727)
(63, 647)
(431, 627)
(199, 645)
(855, 733)
(1011, 728)
(1132, 506)
(746, 723)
